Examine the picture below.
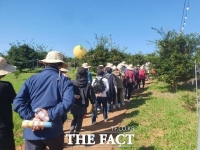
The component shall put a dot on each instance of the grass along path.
(160, 120)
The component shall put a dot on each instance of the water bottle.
(42, 115)
(31, 124)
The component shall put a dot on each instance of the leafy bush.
(17, 73)
(189, 99)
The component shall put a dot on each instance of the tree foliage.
(175, 61)
(25, 56)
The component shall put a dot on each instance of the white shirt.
(105, 81)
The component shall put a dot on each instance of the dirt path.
(114, 119)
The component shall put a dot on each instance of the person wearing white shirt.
(101, 98)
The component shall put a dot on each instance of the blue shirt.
(89, 75)
(51, 91)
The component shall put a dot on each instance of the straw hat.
(123, 62)
(85, 65)
(5, 68)
(54, 57)
(110, 65)
(138, 65)
(100, 65)
(114, 68)
(63, 70)
(130, 67)
(119, 67)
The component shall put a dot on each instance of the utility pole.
(110, 42)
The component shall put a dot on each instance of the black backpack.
(98, 85)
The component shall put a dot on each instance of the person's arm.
(91, 95)
(106, 84)
(89, 77)
(21, 103)
(115, 83)
(66, 104)
(133, 78)
(12, 93)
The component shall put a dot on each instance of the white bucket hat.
(54, 57)
(123, 62)
(114, 68)
(110, 65)
(5, 68)
(85, 65)
(63, 70)
(119, 67)
(130, 67)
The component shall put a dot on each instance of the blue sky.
(63, 24)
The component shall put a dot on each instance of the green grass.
(17, 83)
(160, 120)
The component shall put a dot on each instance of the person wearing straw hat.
(123, 63)
(142, 76)
(89, 75)
(53, 93)
(130, 82)
(64, 72)
(111, 93)
(7, 95)
(119, 80)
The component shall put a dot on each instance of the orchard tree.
(22, 56)
(102, 53)
(176, 56)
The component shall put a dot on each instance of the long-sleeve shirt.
(51, 91)
(7, 94)
(129, 74)
(142, 74)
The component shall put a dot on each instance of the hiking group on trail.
(54, 93)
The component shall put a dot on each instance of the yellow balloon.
(79, 51)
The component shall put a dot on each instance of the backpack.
(98, 85)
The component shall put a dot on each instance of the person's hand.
(76, 96)
(43, 110)
(92, 108)
(39, 126)
(99, 95)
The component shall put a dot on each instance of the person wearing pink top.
(130, 82)
(142, 76)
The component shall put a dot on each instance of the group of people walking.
(56, 94)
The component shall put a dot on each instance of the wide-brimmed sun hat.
(110, 65)
(130, 67)
(5, 68)
(119, 67)
(114, 68)
(54, 57)
(63, 70)
(85, 65)
(123, 62)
